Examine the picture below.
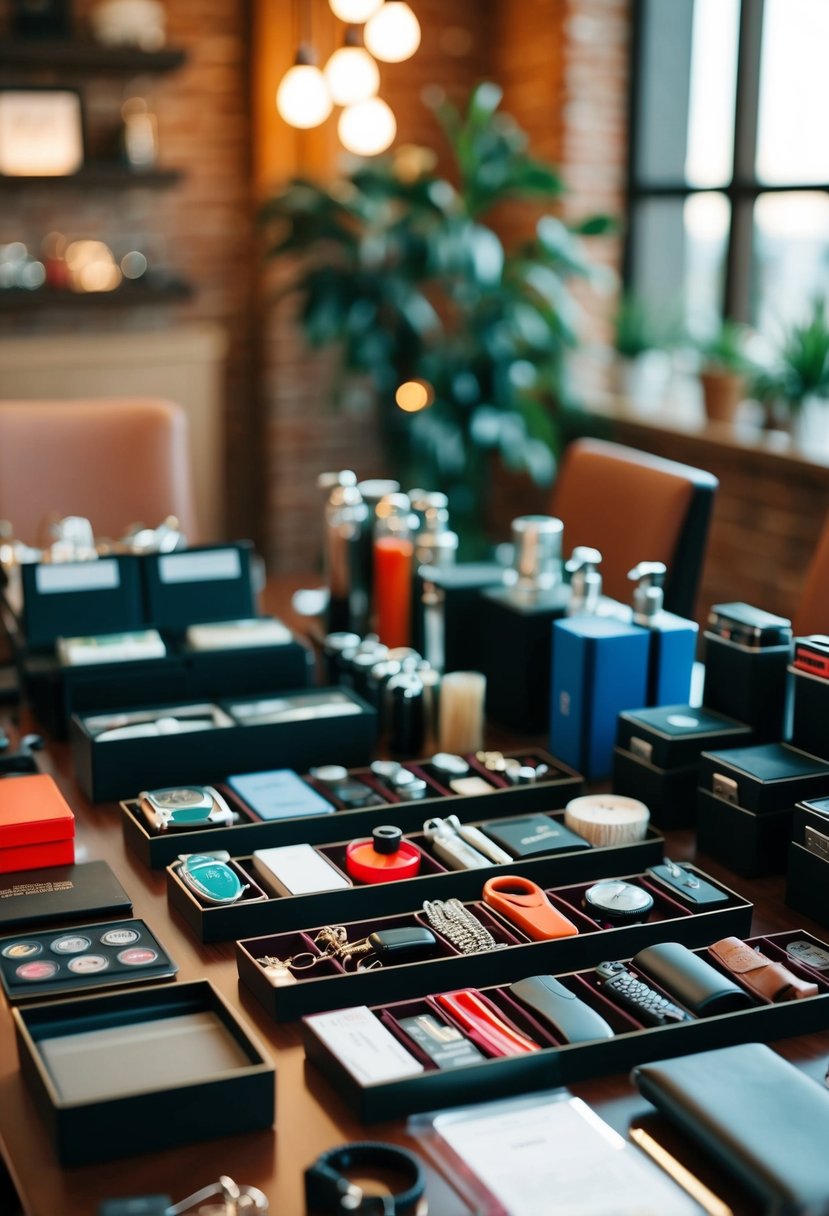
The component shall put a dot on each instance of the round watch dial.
(617, 899)
(187, 795)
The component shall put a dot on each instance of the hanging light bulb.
(354, 12)
(302, 98)
(368, 127)
(393, 33)
(351, 74)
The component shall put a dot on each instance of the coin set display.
(80, 959)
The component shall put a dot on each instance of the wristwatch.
(616, 902)
(327, 1190)
(184, 806)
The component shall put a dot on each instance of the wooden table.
(310, 1115)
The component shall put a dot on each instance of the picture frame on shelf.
(41, 131)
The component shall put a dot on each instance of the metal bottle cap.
(537, 555)
(377, 488)
(431, 508)
(585, 580)
(436, 548)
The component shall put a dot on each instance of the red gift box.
(37, 827)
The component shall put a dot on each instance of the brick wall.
(200, 228)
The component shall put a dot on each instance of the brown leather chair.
(634, 507)
(116, 461)
(812, 612)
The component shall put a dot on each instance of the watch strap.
(760, 974)
(327, 1189)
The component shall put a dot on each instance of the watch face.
(182, 796)
(619, 898)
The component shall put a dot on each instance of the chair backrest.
(116, 461)
(812, 612)
(634, 507)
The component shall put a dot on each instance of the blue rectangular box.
(673, 650)
(600, 667)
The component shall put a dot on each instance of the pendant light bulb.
(367, 128)
(354, 12)
(302, 98)
(393, 33)
(351, 75)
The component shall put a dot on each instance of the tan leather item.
(768, 979)
(115, 461)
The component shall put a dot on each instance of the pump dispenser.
(515, 625)
(585, 581)
(673, 640)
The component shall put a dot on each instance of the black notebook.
(755, 1114)
(36, 897)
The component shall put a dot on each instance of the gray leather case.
(697, 985)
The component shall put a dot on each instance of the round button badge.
(22, 950)
(88, 964)
(137, 956)
(120, 937)
(43, 969)
(70, 943)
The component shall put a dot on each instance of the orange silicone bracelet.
(522, 902)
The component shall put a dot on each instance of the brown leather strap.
(758, 973)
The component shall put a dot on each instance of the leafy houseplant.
(799, 381)
(399, 268)
(724, 371)
(642, 366)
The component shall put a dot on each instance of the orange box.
(37, 827)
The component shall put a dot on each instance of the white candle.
(462, 695)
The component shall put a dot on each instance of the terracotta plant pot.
(723, 391)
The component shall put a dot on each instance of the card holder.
(763, 977)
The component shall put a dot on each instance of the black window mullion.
(738, 272)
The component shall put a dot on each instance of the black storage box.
(207, 583)
(328, 986)
(675, 736)
(549, 793)
(567, 1064)
(669, 793)
(749, 844)
(807, 883)
(112, 769)
(810, 716)
(768, 777)
(458, 589)
(114, 1093)
(252, 915)
(749, 684)
(77, 599)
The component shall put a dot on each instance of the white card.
(363, 1045)
(299, 869)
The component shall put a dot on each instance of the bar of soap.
(607, 819)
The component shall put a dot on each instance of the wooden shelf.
(17, 299)
(98, 174)
(69, 55)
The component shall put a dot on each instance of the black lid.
(386, 838)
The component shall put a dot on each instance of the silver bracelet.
(459, 926)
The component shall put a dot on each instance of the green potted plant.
(401, 270)
(642, 365)
(801, 378)
(724, 371)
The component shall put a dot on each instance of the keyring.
(522, 902)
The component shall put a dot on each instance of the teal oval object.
(213, 880)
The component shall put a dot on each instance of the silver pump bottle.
(649, 593)
(585, 581)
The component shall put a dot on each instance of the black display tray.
(253, 915)
(672, 736)
(155, 1118)
(73, 599)
(568, 1064)
(764, 778)
(807, 883)
(159, 850)
(116, 769)
(329, 986)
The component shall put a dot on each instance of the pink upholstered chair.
(116, 461)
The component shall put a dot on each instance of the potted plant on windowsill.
(641, 367)
(724, 371)
(401, 271)
(800, 381)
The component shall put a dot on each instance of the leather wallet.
(765, 1122)
(760, 974)
(690, 980)
(568, 1017)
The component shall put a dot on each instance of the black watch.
(327, 1190)
(615, 902)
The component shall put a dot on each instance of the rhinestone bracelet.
(460, 926)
